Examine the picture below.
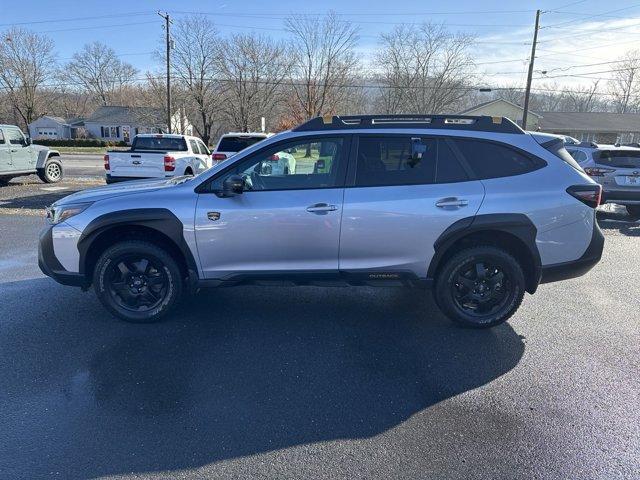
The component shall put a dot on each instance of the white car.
(233, 142)
(157, 156)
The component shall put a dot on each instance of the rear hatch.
(146, 158)
(620, 168)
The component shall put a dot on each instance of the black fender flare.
(516, 224)
(159, 219)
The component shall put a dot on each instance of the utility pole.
(167, 23)
(530, 74)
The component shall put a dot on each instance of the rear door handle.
(321, 208)
(452, 202)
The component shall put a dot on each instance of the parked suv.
(616, 168)
(473, 207)
(19, 157)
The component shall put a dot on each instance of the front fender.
(44, 155)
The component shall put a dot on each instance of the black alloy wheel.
(137, 283)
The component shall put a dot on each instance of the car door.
(5, 154)
(284, 221)
(403, 193)
(21, 154)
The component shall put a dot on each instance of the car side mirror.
(232, 185)
(27, 141)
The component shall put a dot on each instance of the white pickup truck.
(157, 156)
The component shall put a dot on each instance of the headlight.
(61, 213)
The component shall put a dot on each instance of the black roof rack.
(449, 122)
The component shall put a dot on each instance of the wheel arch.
(155, 225)
(514, 233)
(44, 155)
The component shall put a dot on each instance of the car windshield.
(619, 158)
(171, 144)
(235, 144)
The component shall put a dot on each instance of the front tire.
(137, 281)
(52, 171)
(480, 287)
(633, 211)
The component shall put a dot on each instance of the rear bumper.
(622, 197)
(576, 268)
(50, 265)
(115, 179)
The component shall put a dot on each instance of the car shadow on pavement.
(618, 219)
(234, 372)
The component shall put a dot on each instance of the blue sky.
(602, 30)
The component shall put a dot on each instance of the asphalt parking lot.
(257, 382)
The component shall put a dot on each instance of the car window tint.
(448, 168)
(14, 136)
(1, 138)
(385, 161)
(171, 144)
(236, 144)
(493, 160)
(295, 165)
(194, 146)
(619, 158)
(203, 149)
(578, 155)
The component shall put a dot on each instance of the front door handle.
(452, 202)
(321, 208)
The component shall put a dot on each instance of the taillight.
(218, 156)
(106, 162)
(273, 158)
(169, 164)
(597, 171)
(590, 195)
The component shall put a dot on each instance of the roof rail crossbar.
(449, 122)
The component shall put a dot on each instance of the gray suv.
(616, 168)
(19, 157)
(472, 207)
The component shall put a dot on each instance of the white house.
(109, 123)
(56, 128)
(116, 123)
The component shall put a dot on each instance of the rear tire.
(633, 211)
(137, 281)
(52, 171)
(480, 287)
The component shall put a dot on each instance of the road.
(257, 382)
(83, 165)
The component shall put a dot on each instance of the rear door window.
(236, 144)
(618, 158)
(1, 138)
(494, 160)
(387, 161)
(194, 146)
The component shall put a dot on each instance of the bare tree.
(26, 62)
(324, 61)
(625, 85)
(194, 60)
(253, 69)
(423, 69)
(98, 70)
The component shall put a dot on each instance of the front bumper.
(576, 268)
(50, 265)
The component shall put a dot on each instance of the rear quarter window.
(489, 159)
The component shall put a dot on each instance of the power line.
(555, 25)
(290, 83)
(75, 19)
(94, 27)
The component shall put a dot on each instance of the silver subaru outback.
(473, 208)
